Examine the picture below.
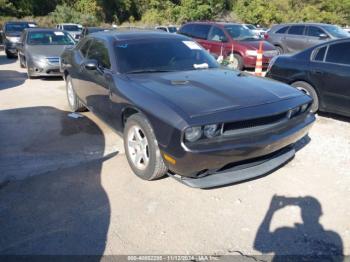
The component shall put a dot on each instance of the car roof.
(43, 29)
(214, 23)
(19, 22)
(306, 24)
(134, 35)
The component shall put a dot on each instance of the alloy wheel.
(138, 147)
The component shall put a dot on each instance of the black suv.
(11, 35)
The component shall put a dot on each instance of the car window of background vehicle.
(296, 30)
(201, 31)
(49, 38)
(217, 35)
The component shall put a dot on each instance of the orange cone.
(259, 60)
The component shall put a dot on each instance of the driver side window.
(99, 52)
(217, 35)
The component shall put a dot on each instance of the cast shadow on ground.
(335, 117)
(5, 61)
(308, 241)
(10, 79)
(64, 211)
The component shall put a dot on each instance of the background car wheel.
(279, 50)
(237, 62)
(73, 100)
(141, 149)
(10, 55)
(21, 61)
(309, 90)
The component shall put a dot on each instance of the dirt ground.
(66, 188)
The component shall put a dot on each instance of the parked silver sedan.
(291, 38)
(39, 50)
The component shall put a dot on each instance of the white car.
(73, 29)
(170, 29)
(258, 31)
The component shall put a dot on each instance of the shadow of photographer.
(308, 241)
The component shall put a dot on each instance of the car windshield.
(16, 27)
(71, 28)
(172, 29)
(161, 55)
(251, 27)
(240, 32)
(336, 31)
(49, 38)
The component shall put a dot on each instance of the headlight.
(12, 39)
(210, 130)
(39, 61)
(252, 52)
(192, 134)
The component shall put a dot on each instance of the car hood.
(46, 50)
(254, 44)
(203, 92)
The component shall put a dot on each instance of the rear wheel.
(10, 55)
(73, 100)
(310, 91)
(279, 50)
(236, 62)
(141, 148)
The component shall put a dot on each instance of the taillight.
(266, 36)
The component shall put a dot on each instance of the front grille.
(53, 60)
(251, 123)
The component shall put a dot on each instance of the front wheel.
(236, 62)
(141, 149)
(310, 91)
(73, 100)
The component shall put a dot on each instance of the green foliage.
(268, 12)
(264, 12)
(65, 14)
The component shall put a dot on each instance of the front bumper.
(11, 47)
(240, 172)
(209, 160)
(44, 69)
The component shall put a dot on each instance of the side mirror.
(91, 65)
(323, 36)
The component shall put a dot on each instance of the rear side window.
(187, 30)
(315, 31)
(319, 54)
(339, 53)
(296, 30)
(283, 30)
(201, 31)
(216, 35)
(99, 52)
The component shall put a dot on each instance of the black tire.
(21, 61)
(280, 49)
(74, 103)
(239, 62)
(10, 55)
(156, 167)
(309, 90)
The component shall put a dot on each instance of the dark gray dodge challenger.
(180, 113)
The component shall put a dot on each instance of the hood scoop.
(179, 82)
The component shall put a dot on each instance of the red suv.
(222, 36)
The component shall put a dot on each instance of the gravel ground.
(66, 188)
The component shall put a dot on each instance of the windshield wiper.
(148, 71)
